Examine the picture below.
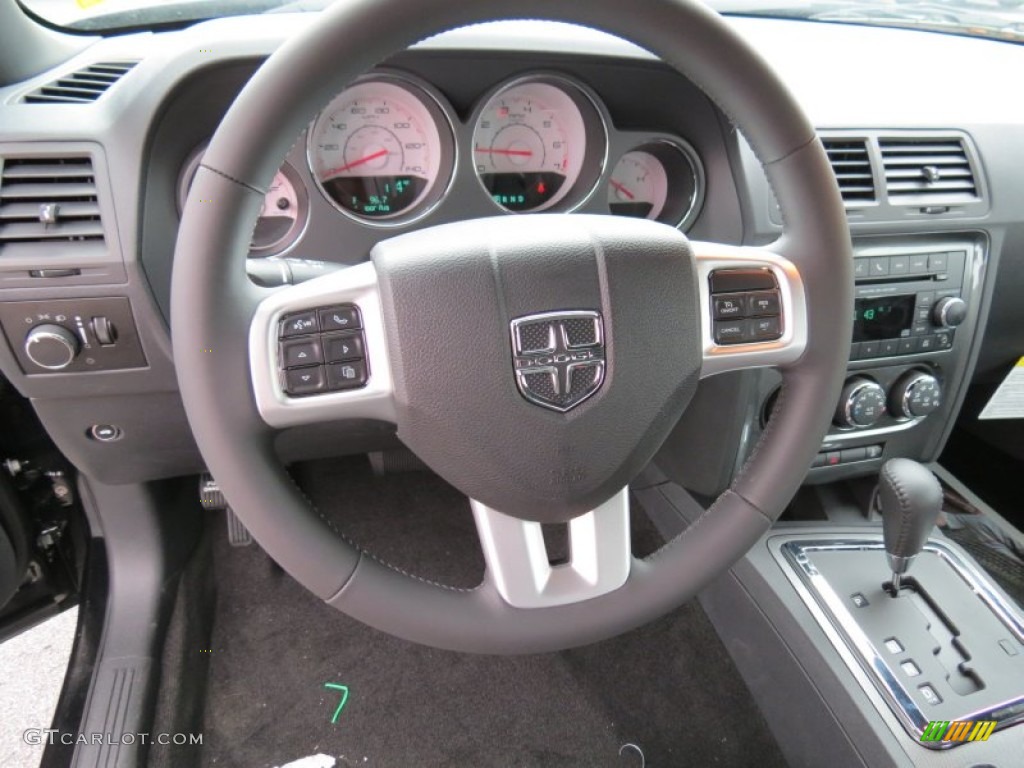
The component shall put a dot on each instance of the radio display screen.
(882, 318)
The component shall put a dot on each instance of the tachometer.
(378, 150)
(530, 144)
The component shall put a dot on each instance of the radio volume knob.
(916, 394)
(51, 346)
(861, 404)
(949, 312)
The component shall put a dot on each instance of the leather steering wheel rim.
(213, 303)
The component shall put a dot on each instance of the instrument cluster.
(387, 151)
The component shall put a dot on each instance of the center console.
(915, 316)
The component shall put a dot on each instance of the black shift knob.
(910, 498)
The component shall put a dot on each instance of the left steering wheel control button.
(299, 324)
(301, 352)
(350, 375)
(343, 346)
(343, 318)
(305, 381)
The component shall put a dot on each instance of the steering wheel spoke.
(518, 563)
(318, 351)
(753, 308)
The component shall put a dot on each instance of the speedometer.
(531, 145)
(379, 150)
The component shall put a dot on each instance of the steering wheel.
(614, 314)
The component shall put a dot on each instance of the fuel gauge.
(661, 180)
(284, 213)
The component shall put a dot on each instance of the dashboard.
(504, 119)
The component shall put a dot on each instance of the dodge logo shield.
(558, 357)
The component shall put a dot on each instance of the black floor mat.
(669, 688)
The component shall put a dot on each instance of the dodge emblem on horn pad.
(558, 357)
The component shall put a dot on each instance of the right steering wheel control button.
(729, 306)
(763, 303)
(731, 332)
(343, 318)
(745, 293)
(298, 324)
(305, 381)
(350, 375)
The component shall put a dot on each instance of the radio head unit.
(907, 303)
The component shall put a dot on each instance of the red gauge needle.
(621, 188)
(360, 161)
(514, 152)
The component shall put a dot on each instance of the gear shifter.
(910, 499)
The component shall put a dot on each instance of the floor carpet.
(669, 689)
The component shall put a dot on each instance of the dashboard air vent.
(48, 202)
(927, 170)
(80, 87)
(852, 167)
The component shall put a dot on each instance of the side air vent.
(927, 170)
(48, 202)
(80, 87)
(852, 167)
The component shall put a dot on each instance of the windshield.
(997, 19)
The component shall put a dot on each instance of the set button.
(322, 350)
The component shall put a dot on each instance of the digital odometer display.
(882, 318)
(376, 149)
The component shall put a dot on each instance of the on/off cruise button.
(729, 306)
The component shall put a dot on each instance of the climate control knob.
(949, 312)
(916, 394)
(51, 346)
(861, 404)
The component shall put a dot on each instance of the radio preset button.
(868, 349)
(888, 347)
(908, 346)
(938, 262)
(899, 265)
(918, 262)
